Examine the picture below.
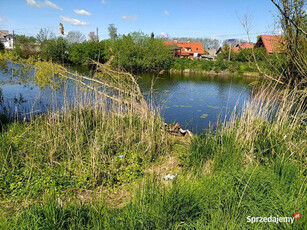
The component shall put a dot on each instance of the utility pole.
(230, 41)
(97, 34)
(13, 38)
(229, 51)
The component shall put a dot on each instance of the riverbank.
(213, 73)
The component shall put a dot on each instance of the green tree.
(56, 49)
(83, 53)
(26, 46)
(137, 51)
(44, 35)
(294, 24)
(112, 31)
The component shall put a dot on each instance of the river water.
(193, 100)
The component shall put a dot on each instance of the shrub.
(137, 51)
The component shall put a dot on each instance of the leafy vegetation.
(83, 53)
(216, 66)
(139, 52)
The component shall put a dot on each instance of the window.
(197, 49)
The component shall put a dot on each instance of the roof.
(245, 45)
(3, 33)
(233, 49)
(196, 47)
(169, 43)
(211, 52)
(272, 43)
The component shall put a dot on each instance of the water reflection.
(192, 100)
(196, 100)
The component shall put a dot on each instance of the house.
(245, 45)
(7, 39)
(210, 54)
(238, 47)
(233, 49)
(271, 43)
(185, 49)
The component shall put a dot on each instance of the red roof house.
(245, 45)
(186, 49)
(271, 43)
(223, 48)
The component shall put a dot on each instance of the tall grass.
(252, 165)
(103, 138)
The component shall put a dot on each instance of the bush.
(82, 53)
(55, 50)
(138, 52)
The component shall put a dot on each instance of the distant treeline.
(135, 51)
(206, 42)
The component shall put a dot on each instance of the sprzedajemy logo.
(273, 219)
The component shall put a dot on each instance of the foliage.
(216, 66)
(294, 24)
(44, 35)
(246, 55)
(26, 46)
(137, 51)
(55, 49)
(81, 54)
(224, 55)
(112, 31)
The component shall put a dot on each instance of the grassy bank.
(88, 167)
(216, 67)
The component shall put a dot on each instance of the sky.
(182, 18)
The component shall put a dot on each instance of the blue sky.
(181, 18)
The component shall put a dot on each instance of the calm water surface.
(191, 100)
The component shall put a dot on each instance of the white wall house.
(7, 39)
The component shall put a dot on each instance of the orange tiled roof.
(196, 47)
(272, 43)
(245, 45)
(169, 43)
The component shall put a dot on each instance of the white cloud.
(74, 21)
(34, 3)
(2, 19)
(52, 5)
(130, 18)
(82, 12)
(166, 12)
(104, 2)
(41, 4)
